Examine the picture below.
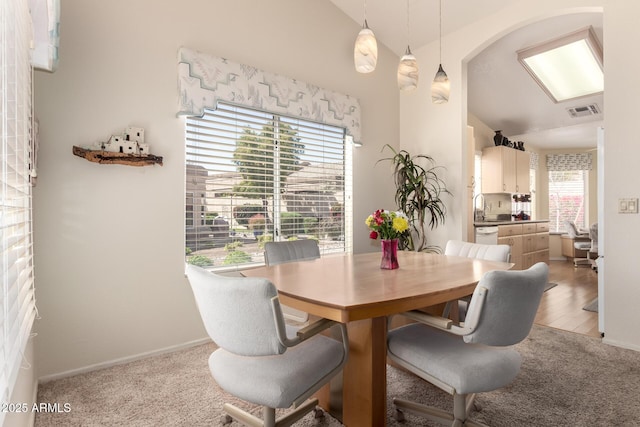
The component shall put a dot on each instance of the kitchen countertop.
(496, 223)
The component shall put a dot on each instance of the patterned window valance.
(203, 80)
(569, 162)
(45, 17)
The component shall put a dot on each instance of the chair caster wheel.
(318, 413)
(225, 419)
(398, 415)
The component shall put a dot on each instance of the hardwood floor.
(561, 307)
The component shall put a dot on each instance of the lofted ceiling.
(500, 92)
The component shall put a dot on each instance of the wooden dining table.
(353, 289)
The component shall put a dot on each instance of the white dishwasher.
(487, 235)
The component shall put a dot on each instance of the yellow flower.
(369, 220)
(400, 224)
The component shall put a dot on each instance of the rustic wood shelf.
(108, 157)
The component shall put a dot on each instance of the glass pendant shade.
(408, 72)
(441, 87)
(365, 52)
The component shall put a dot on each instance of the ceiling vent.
(587, 110)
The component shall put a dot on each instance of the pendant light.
(365, 51)
(441, 86)
(408, 66)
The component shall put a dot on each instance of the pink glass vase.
(389, 254)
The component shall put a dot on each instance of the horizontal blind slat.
(230, 176)
(17, 301)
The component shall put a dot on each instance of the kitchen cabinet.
(529, 243)
(512, 235)
(538, 251)
(505, 170)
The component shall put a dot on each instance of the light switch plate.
(628, 205)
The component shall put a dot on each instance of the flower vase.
(389, 254)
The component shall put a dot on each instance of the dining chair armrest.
(442, 323)
(315, 328)
(307, 332)
(429, 319)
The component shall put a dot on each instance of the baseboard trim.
(615, 343)
(122, 360)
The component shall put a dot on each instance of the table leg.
(365, 374)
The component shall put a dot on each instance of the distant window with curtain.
(17, 300)
(253, 176)
(533, 184)
(568, 178)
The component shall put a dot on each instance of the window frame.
(556, 223)
(337, 148)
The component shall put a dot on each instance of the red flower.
(373, 235)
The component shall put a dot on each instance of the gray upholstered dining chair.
(289, 251)
(592, 255)
(260, 359)
(581, 242)
(500, 253)
(478, 251)
(475, 356)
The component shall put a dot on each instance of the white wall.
(437, 130)
(109, 239)
(482, 133)
(622, 174)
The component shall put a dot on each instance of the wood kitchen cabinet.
(529, 243)
(512, 235)
(505, 170)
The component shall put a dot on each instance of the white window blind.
(17, 300)
(566, 198)
(253, 176)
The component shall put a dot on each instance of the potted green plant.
(419, 191)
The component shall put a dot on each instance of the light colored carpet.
(566, 379)
(592, 306)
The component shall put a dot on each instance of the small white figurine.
(131, 142)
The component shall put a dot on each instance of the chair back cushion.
(478, 251)
(593, 235)
(290, 250)
(237, 312)
(571, 229)
(510, 305)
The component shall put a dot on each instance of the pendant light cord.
(365, 12)
(408, 28)
(440, 32)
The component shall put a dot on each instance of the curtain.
(17, 299)
(569, 162)
(203, 80)
(45, 15)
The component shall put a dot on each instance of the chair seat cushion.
(468, 368)
(583, 246)
(276, 381)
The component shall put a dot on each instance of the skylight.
(568, 67)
